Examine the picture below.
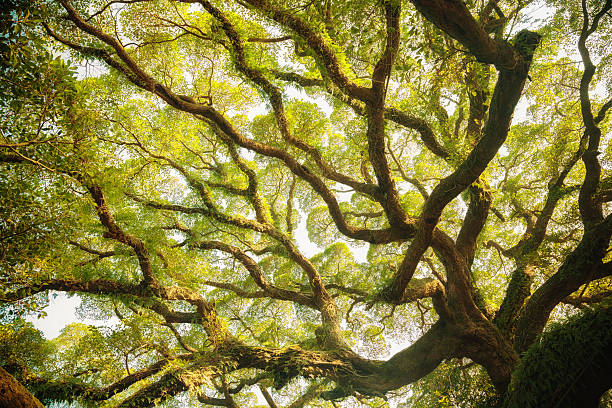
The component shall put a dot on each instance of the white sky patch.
(89, 68)
(305, 245)
(503, 151)
(260, 109)
(300, 94)
(520, 112)
(534, 16)
(188, 78)
(62, 312)
(310, 249)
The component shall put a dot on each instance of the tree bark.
(15, 395)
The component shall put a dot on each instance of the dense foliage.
(292, 203)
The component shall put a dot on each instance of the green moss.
(570, 363)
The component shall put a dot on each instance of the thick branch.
(13, 394)
(321, 48)
(505, 97)
(420, 125)
(474, 221)
(217, 120)
(375, 115)
(116, 233)
(98, 287)
(591, 211)
(453, 17)
(204, 310)
(257, 275)
(393, 114)
(69, 390)
(580, 267)
(580, 301)
(525, 252)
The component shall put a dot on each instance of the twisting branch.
(375, 115)
(591, 211)
(462, 329)
(320, 47)
(50, 388)
(267, 396)
(420, 125)
(603, 110)
(290, 197)
(179, 338)
(582, 265)
(581, 301)
(251, 192)
(454, 18)
(218, 121)
(275, 96)
(382, 69)
(505, 97)
(116, 233)
(256, 273)
(99, 254)
(401, 118)
(525, 251)
(475, 219)
(98, 286)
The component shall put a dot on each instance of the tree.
(169, 184)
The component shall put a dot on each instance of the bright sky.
(60, 313)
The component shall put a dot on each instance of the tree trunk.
(15, 395)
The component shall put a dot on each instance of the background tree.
(172, 182)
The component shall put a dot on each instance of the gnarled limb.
(580, 301)
(98, 286)
(115, 232)
(13, 394)
(579, 267)
(257, 275)
(322, 50)
(395, 115)
(505, 97)
(474, 221)
(591, 211)
(276, 100)
(453, 17)
(47, 389)
(525, 251)
(220, 123)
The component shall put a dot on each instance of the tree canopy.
(308, 203)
